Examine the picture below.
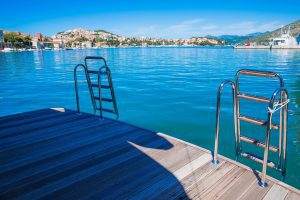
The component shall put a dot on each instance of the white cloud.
(270, 26)
(246, 27)
(209, 27)
(185, 26)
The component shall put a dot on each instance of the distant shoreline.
(118, 47)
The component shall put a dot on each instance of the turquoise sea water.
(170, 90)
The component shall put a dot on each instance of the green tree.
(10, 37)
(82, 39)
(206, 43)
(98, 39)
(47, 39)
(17, 40)
(69, 43)
(113, 42)
(27, 40)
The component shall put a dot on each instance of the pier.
(59, 154)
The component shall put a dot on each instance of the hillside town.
(80, 38)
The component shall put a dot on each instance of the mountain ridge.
(233, 39)
(268, 36)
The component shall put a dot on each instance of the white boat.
(285, 41)
(7, 50)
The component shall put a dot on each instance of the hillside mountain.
(266, 37)
(233, 39)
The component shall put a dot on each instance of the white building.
(58, 43)
(87, 44)
(36, 43)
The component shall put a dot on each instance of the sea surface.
(167, 89)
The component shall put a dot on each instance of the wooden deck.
(57, 154)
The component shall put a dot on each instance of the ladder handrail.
(101, 70)
(281, 91)
(251, 72)
(76, 86)
(94, 58)
(112, 88)
(215, 155)
(262, 73)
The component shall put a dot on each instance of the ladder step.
(254, 98)
(94, 57)
(258, 143)
(258, 73)
(257, 159)
(107, 110)
(257, 121)
(95, 72)
(103, 99)
(102, 86)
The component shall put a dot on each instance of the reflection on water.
(172, 90)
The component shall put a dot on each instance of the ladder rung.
(257, 121)
(257, 159)
(103, 99)
(102, 86)
(108, 110)
(258, 143)
(254, 98)
(258, 73)
(94, 57)
(95, 72)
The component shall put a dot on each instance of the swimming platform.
(59, 154)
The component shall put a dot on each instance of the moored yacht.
(285, 41)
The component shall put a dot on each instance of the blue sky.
(157, 18)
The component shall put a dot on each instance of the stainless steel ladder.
(102, 71)
(278, 101)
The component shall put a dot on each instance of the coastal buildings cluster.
(81, 38)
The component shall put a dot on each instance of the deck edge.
(286, 186)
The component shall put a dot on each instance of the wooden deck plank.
(18, 141)
(223, 184)
(85, 173)
(257, 192)
(25, 115)
(44, 168)
(53, 138)
(276, 193)
(33, 118)
(23, 129)
(41, 155)
(167, 182)
(57, 154)
(241, 185)
(134, 168)
(292, 196)
(58, 172)
(176, 192)
(195, 191)
(142, 179)
(50, 153)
